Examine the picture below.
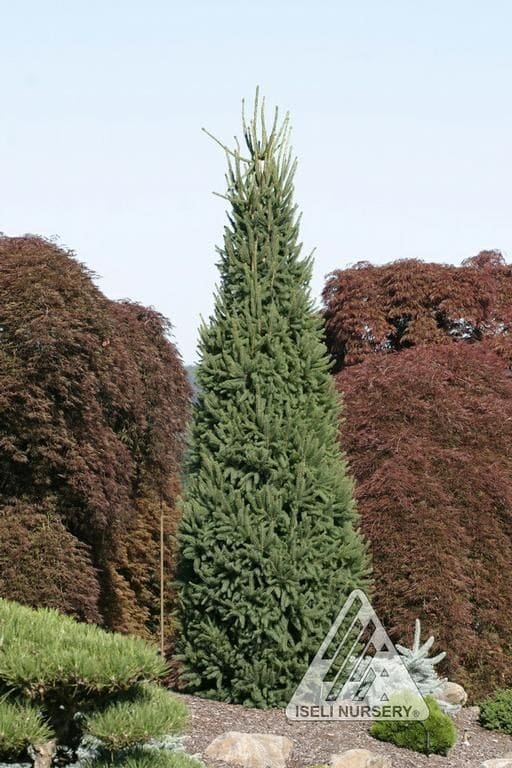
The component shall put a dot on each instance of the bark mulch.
(314, 743)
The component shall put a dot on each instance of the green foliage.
(46, 654)
(20, 726)
(80, 680)
(152, 713)
(435, 735)
(268, 549)
(146, 758)
(496, 711)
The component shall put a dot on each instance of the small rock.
(360, 758)
(498, 762)
(251, 750)
(453, 693)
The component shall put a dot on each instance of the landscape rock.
(360, 758)
(251, 750)
(498, 762)
(453, 693)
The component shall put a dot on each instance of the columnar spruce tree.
(268, 544)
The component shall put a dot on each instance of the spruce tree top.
(267, 547)
(263, 309)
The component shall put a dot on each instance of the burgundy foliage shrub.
(409, 303)
(93, 407)
(424, 354)
(42, 563)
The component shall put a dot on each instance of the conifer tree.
(268, 543)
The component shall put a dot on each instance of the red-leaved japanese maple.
(93, 408)
(424, 353)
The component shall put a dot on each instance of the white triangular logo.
(357, 673)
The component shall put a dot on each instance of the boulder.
(452, 693)
(360, 758)
(498, 762)
(251, 750)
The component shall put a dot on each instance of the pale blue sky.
(402, 115)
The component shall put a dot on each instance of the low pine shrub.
(151, 713)
(147, 758)
(20, 726)
(64, 680)
(435, 735)
(496, 711)
(48, 656)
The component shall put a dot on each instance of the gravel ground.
(316, 742)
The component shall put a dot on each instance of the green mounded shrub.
(20, 726)
(496, 711)
(68, 680)
(152, 713)
(435, 735)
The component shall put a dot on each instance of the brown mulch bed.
(316, 742)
